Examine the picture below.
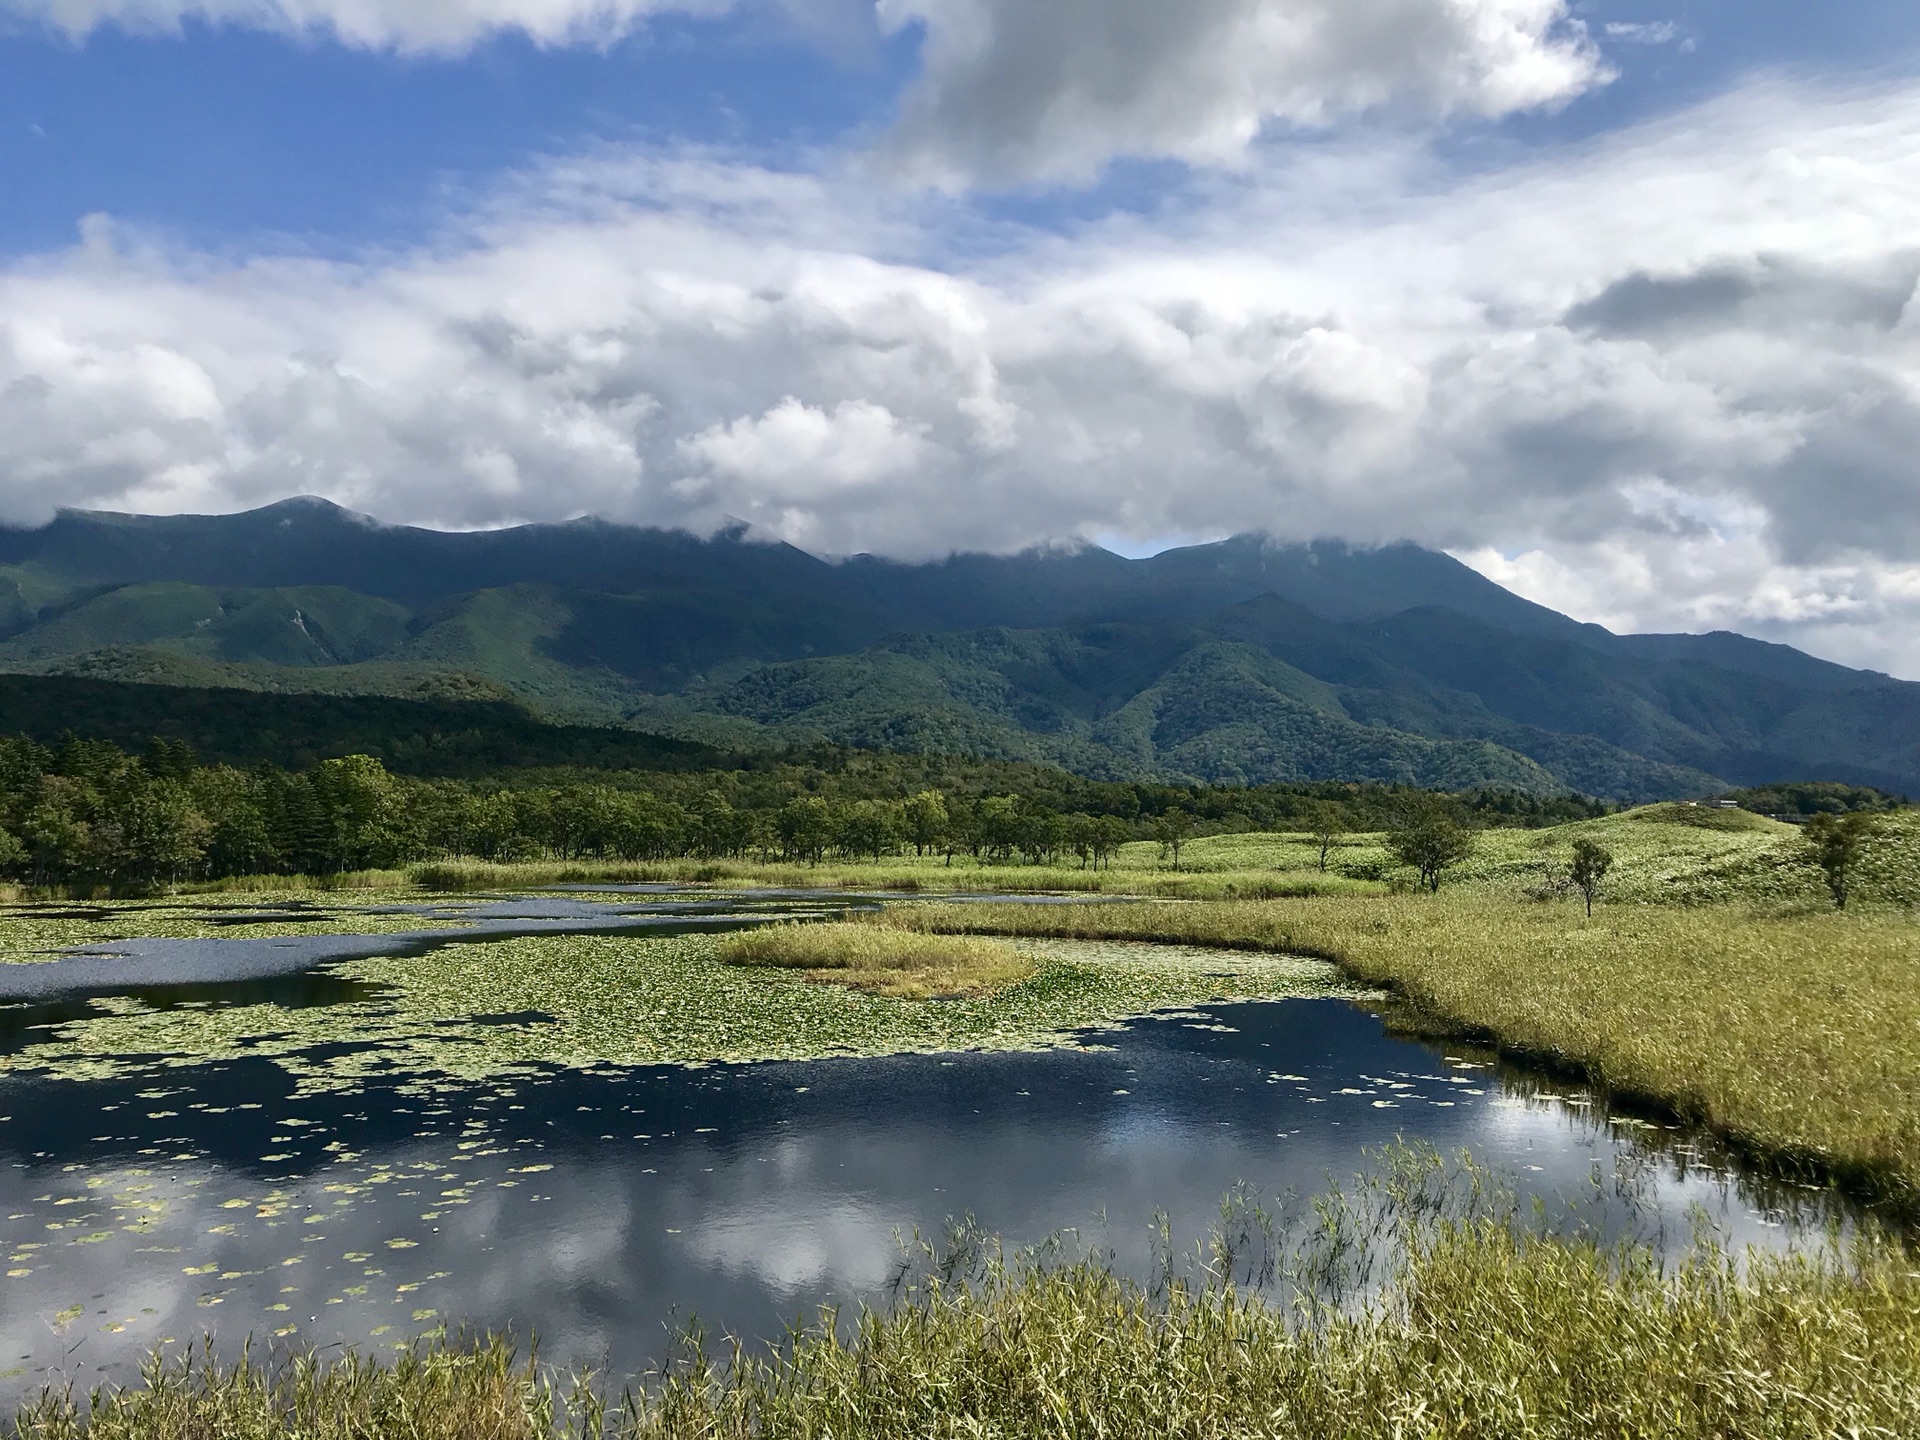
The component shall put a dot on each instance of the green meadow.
(1669, 854)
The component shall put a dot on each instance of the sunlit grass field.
(1663, 854)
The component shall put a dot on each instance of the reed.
(1482, 1330)
(905, 965)
(481, 1391)
(899, 876)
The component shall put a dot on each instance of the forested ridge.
(442, 733)
(1242, 662)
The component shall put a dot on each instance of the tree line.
(89, 812)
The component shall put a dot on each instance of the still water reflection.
(598, 1208)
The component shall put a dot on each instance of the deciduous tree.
(1834, 843)
(1173, 830)
(1591, 861)
(1429, 837)
(1325, 826)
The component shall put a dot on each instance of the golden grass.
(902, 875)
(905, 965)
(1795, 1037)
(1484, 1334)
(427, 1393)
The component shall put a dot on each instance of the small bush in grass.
(902, 964)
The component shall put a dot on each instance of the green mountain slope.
(1120, 701)
(1241, 660)
(419, 737)
(303, 625)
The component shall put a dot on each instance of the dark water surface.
(136, 966)
(598, 1208)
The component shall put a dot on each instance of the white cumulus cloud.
(1670, 378)
(1016, 90)
(777, 468)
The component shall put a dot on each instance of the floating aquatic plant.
(481, 1009)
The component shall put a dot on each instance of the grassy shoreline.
(903, 877)
(1484, 1329)
(1793, 1038)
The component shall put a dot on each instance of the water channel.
(600, 1206)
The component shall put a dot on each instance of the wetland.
(571, 1114)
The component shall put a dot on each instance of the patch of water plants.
(34, 933)
(904, 964)
(481, 1009)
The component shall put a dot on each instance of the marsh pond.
(561, 1114)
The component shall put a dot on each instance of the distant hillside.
(1238, 662)
(416, 737)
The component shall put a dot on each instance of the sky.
(1613, 301)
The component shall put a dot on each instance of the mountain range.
(1241, 662)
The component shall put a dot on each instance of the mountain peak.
(311, 507)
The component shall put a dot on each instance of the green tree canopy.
(1429, 837)
(1589, 866)
(1834, 843)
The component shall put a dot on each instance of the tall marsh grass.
(1481, 1328)
(901, 875)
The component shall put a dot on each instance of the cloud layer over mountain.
(1668, 378)
(1014, 90)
